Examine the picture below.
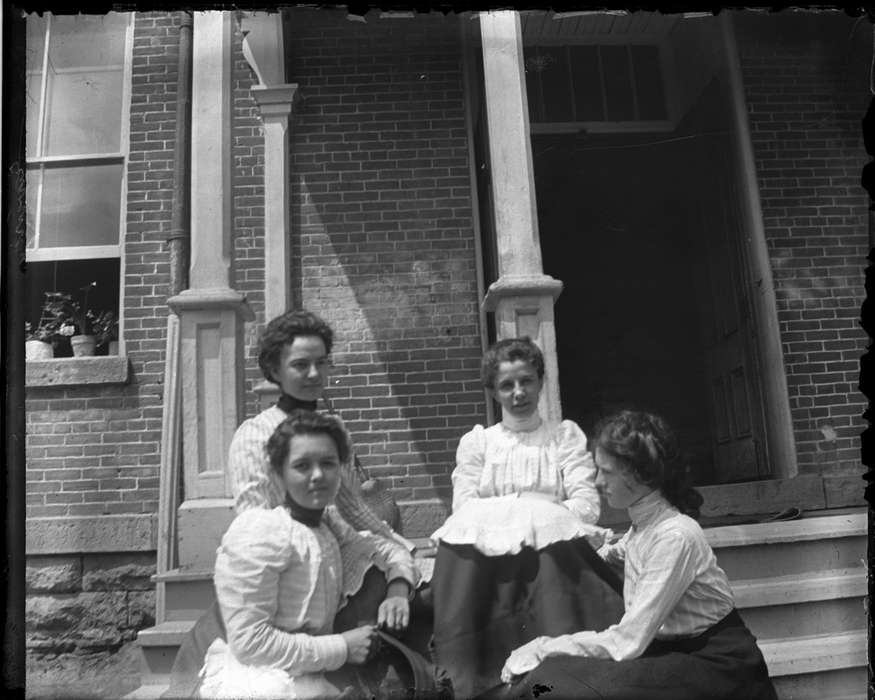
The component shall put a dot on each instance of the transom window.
(78, 77)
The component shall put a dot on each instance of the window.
(596, 87)
(78, 77)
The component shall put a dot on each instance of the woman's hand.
(394, 613)
(522, 660)
(361, 643)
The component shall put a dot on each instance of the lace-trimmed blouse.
(495, 465)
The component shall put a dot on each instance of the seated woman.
(513, 559)
(282, 575)
(680, 636)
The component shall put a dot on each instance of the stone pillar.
(211, 313)
(523, 296)
(276, 99)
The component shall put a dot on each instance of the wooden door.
(729, 339)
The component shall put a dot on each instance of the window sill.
(72, 371)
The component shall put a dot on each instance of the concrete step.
(835, 684)
(818, 667)
(791, 548)
(159, 645)
(815, 653)
(786, 606)
(187, 593)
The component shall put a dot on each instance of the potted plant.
(105, 327)
(77, 321)
(38, 342)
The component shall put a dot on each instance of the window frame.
(40, 163)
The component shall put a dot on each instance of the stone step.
(187, 593)
(815, 653)
(798, 548)
(835, 684)
(785, 606)
(159, 645)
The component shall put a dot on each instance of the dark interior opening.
(614, 227)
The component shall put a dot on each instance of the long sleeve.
(668, 572)
(256, 550)
(252, 482)
(469, 466)
(354, 510)
(578, 473)
(359, 551)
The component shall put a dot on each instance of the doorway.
(645, 232)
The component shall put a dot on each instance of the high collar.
(289, 403)
(311, 517)
(521, 425)
(647, 508)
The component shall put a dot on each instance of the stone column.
(523, 296)
(276, 99)
(211, 313)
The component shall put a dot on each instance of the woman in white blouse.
(680, 636)
(282, 574)
(516, 558)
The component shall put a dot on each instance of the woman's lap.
(487, 606)
(723, 664)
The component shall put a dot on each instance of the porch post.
(263, 49)
(523, 296)
(211, 313)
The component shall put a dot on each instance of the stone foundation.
(88, 603)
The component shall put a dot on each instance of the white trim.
(84, 252)
(74, 159)
(125, 144)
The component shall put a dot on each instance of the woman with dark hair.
(293, 354)
(680, 637)
(516, 559)
(283, 574)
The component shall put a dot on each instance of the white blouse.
(279, 585)
(495, 465)
(673, 587)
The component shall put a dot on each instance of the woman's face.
(616, 482)
(302, 371)
(517, 388)
(311, 474)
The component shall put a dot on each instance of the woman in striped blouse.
(680, 636)
(283, 574)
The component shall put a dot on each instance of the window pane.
(588, 100)
(31, 108)
(80, 206)
(618, 87)
(35, 42)
(84, 113)
(69, 276)
(79, 41)
(648, 82)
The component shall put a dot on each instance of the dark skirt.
(485, 607)
(722, 663)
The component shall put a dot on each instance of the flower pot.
(38, 350)
(112, 347)
(83, 345)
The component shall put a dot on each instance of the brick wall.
(806, 85)
(95, 450)
(383, 241)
